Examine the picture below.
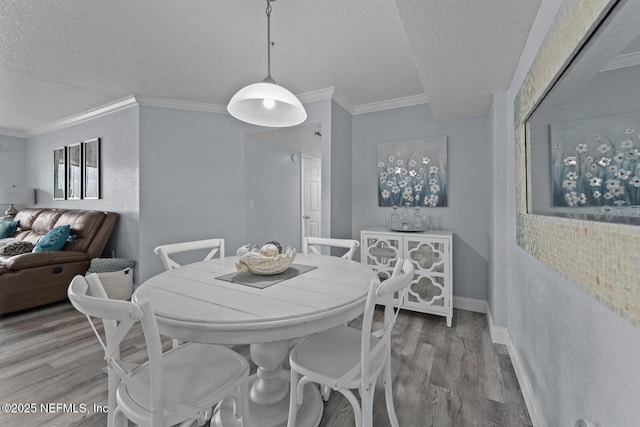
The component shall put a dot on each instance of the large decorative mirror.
(584, 136)
(577, 122)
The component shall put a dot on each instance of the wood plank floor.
(442, 376)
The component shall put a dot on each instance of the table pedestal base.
(275, 415)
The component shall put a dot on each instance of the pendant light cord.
(268, 79)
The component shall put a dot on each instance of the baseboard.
(499, 334)
(470, 304)
(530, 399)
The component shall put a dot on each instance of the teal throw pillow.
(54, 240)
(7, 228)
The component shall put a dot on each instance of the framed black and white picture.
(91, 168)
(74, 171)
(60, 173)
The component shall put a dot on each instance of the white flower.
(629, 131)
(382, 180)
(418, 187)
(434, 188)
(570, 161)
(608, 195)
(408, 197)
(633, 155)
(417, 197)
(398, 153)
(604, 148)
(380, 164)
(402, 183)
(400, 162)
(635, 181)
(594, 182)
(594, 167)
(619, 157)
(617, 191)
(426, 160)
(572, 175)
(612, 168)
(390, 183)
(623, 174)
(626, 145)
(398, 170)
(582, 148)
(395, 189)
(596, 137)
(412, 163)
(568, 184)
(390, 170)
(597, 194)
(412, 173)
(582, 199)
(433, 169)
(571, 198)
(433, 181)
(589, 159)
(588, 174)
(604, 161)
(612, 183)
(392, 159)
(385, 194)
(384, 175)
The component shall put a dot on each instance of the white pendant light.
(266, 103)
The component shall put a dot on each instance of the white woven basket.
(264, 265)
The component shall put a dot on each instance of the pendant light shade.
(266, 103)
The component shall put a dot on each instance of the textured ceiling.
(60, 58)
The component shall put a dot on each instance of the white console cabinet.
(431, 290)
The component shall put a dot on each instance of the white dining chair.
(216, 246)
(177, 387)
(346, 359)
(311, 244)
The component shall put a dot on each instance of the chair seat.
(194, 375)
(326, 356)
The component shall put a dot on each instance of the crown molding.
(121, 104)
(623, 61)
(150, 101)
(331, 93)
(12, 132)
(390, 104)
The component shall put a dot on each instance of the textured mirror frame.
(602, 258)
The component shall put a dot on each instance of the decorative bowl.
(264, 261)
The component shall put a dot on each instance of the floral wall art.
(595, 162)
(413, 172)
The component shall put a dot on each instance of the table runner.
(261, 282)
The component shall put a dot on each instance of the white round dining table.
(192, 304)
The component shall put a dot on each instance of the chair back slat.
(311, 244)
(216, 246)
(399, 281)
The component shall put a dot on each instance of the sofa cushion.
(54, 240)
(8, 228)
(16, 248)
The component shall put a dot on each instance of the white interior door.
(311, 197)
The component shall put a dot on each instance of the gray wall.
(193, 179)
(341, 172)
(467, 215)
(13, 158)
(118, 133)
(580, 357)
(272, 181)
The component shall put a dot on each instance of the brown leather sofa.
(37, 278)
